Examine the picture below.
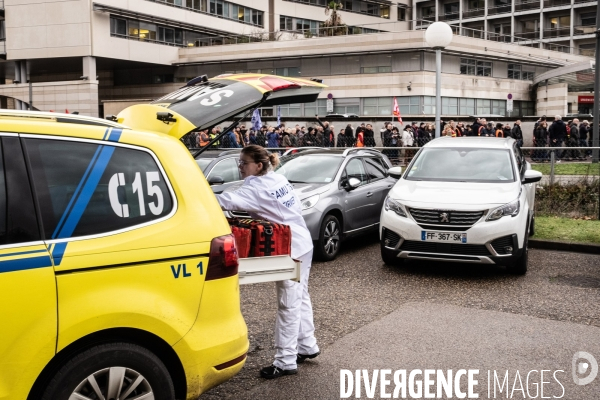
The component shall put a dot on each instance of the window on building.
(401, 14)
(290, 110)
(588, 19)
(377, 106)
(467, 106)
(484, 106)
(118, 26)
(285, 23)
(527, 75)
(349, 105)
(409, 105)
(499, 107)
(428, 12)
(514, 71)
(428, 105)
(288, 71)
(449, 106)
(467, 66)
(484, 68)
(530, 26)
(476, 4)
(147, 31)
(587, 49)
(375, 70)
(451, 8)
(318, 107)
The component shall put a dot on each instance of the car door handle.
(369, 194)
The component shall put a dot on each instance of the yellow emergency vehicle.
(118, 271)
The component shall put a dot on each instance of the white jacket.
(271, 197)
(407, 139)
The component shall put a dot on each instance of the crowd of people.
(560, 134)
(323, 134)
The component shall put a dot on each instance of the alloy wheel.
(331, 238)
(114, 383)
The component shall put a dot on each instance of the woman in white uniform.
(269, 196)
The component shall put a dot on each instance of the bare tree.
(333, 26)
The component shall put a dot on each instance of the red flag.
(396, 111)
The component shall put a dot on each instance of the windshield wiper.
(295, 181)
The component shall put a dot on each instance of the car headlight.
(310, 202)
(511, 209)
(394, 206)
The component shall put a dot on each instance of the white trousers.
(294, 327)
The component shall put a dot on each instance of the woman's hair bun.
(274, 159)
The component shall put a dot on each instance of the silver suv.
(342, 192)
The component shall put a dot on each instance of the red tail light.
(223, 258)
(277, 84)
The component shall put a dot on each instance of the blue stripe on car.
(22, 252)
(25, 263)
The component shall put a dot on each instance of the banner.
(396, 111)
(256, 122)
(278, 115)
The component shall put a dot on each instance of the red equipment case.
(268, 238)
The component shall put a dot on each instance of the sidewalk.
(544, 244)
(422, 335)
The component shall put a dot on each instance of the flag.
(278, 115)
(256, 122)
(396, 111)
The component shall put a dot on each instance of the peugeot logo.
(444, 217)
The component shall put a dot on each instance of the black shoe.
(272, 372)
(300, 358)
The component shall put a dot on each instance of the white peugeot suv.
(467, 200)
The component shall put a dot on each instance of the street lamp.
(438, 35)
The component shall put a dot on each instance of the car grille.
(446, 217)
(500, 244)
(446, 248)
(390, 238)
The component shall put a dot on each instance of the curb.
(564, 246)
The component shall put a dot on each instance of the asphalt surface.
(431, 315)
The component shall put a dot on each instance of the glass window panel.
(483, 106)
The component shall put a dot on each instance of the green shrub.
(575, 200)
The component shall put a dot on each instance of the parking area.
(362, 306)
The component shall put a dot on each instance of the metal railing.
(584, 30)
(475, 12)
(527, 5)
(556, 3)
(499, 9)
(557, 32)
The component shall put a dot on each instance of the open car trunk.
(202, 104)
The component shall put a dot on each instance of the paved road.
(431, 315)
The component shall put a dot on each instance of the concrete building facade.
(98, 56)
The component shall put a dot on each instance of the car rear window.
(462, 165)
(88, 189)
(309, 168)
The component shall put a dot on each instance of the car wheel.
(330, 236)
(389, 256)
(111, 371)
(519, 266)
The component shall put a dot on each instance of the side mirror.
(353, 183)
(531, 176)
(395, 172)
(216, 180)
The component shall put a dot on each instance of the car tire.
(519, 266)
(389, 256)
(330, 238)
(126, 364)
(532, 226)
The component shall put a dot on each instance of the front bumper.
(496, 242)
